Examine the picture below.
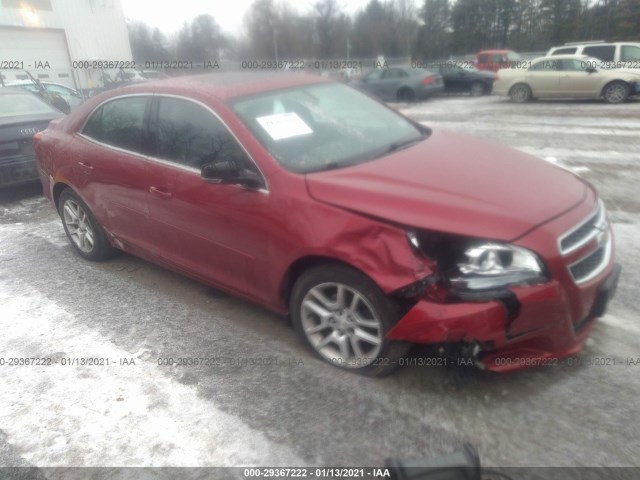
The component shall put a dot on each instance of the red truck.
(494, 60)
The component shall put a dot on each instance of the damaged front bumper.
(526, 328)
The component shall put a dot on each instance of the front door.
(217, 231)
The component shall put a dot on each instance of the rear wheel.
(406, 95)
(477, 89)
(343, 317)
(616, 92)
(520, 93)
(82, 229)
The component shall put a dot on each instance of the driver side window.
(188, 134)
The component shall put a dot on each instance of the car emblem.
(29, 131)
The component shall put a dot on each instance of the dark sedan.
(465, 78)
(402, 84)
(22, 115)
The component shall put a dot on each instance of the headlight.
(493, 265)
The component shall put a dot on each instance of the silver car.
(402, 84)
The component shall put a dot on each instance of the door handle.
(160, 192)
(86, 166)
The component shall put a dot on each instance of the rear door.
(216, 231)
(110, 168)
(392, 79)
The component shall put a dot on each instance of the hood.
(454, 183)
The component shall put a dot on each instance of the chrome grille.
(587, 265)
(594, 263)
(584, 232)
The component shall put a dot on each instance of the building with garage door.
(48, 38)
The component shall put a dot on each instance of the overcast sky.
(170, 16)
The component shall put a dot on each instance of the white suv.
(613, 54)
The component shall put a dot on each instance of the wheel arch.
(302, 264)
(405, 88)
(57, 190)
(517, 84)
(615, 80)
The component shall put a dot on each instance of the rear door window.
(603, 52)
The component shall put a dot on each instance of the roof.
(227, 85)
(494, 50)
(561, 57)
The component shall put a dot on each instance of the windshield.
(22, 104)
(321, 127)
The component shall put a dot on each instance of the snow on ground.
(57, 414)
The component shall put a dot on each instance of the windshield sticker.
(284, 125)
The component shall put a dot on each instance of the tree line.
(394, 28)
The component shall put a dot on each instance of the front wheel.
(477, 89)
(82, 229)
(616, 92)
(406, 95)
(343, 317)
(520, 93)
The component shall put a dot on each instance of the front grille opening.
(585, 267)
(584, 232)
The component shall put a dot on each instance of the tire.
(405, 94)
(82, 229)
(348, 333)
(520, 93)
(477, 89)
(616, 92)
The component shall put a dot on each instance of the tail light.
(428, 80)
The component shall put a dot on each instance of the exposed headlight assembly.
(491, 266)
(476, 265)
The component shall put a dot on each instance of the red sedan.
(310, 198)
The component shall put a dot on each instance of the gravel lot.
(283, 407)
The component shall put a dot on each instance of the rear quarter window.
(119, 123)
(630, 53)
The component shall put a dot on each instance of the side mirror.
(228, 171)
(592, 70)
(59, 103)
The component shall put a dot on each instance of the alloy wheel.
(616, 93)
(78, 225)
(341, 325)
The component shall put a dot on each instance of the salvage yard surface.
(265, 400)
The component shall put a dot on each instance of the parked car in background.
(313, 199)
(71, 96)
(22, 115)
(494, 60)
(401, 84)
(462, 77)
(566, 76)
(613, 54)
